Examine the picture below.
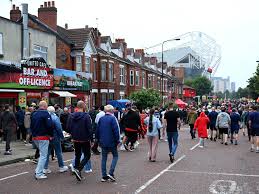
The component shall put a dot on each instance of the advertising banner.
(22, 99)
(33, 74)
(72, 80)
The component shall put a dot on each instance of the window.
(103, 98)
(110, 72)
(87, 64)
(94, 99)
(143, 80)
(111, 96)
(158, 84)
(137, 78)
(78, 63)
(94, 70)
(122, 75)
(103, 71)
(41, 50)
(131, 77)
(149, 81)
(1, 44)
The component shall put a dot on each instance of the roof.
(105, 39)
(130, 51)
(116, 45)
(79, 37)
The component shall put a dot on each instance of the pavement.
(216, 169)
(20, 152)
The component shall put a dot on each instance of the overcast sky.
(232, 23)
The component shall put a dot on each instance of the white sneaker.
(88, 171)
(63, 169)
(41, 177)
(122, 148)
(46, 171)
(72, 167)
(201, 146)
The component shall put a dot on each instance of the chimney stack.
(66, 26)
(15, 13)
(124, 44)
(48, 14)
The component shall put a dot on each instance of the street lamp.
(162, 83)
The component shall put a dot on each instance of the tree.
(146, 98)
(253, 84)
(242, 92)
(201, 84)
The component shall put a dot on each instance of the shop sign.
(71, 80)
(22, 99)
(35, 74)
(45, 97)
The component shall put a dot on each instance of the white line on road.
(8, 177)
(158, 175)
(195, 146)
(215, 173)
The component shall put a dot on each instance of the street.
(214, 169)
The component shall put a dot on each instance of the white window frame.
(41, 50)
(132, 77)
(122, 75)
(111, 72)
(137, 78)
(143, 79)
(103, 76)
(87, 64)
(1, 44)
(78, 63)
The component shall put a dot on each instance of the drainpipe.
(25, 31)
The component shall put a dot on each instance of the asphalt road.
(214, 169)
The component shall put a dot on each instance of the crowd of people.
(106, 129)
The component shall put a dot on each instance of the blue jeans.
(88, 165)
(56, 144)
(115, 157)
(43, 146)
(172, 138)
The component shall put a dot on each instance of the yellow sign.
(22, 99)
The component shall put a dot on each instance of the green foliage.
(201, 84)
(146, 98)
(253, 84)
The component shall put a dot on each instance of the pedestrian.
(20, 120)
(79, 126)
(9, 125)
(58, 110)
(213, 118)
(173, 122)
(153, 124)
(132, 123)
(100, 114)
(63, 119)
(27, 124)
(201, 126)
(108, 135)
(191, 118)
(254, 126)
(1, 128)
(55, 143)
(235, 125)
(42, 132)
(223, 125)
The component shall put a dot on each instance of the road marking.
(215, 173)
(68, 160)
(158, 175)
(195, 146)
(8, 177)
(223, 186)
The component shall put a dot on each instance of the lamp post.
(162, 83)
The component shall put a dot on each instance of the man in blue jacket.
(79, 126)
(42, 132)
(108, 136)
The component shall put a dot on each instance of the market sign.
(72, 80)
(34, 74)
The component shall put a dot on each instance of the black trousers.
(192, 132)
(7, 138)
(85, 148)
(132, 137)
(21, 130)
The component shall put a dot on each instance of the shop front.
(71, 86)
(25, 83)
